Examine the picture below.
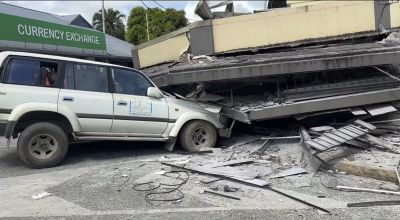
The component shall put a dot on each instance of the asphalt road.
(92, 184)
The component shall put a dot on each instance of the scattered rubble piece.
(358, 111)
(389, 186)
(305, 138)
(322, 128)
(365, 124)
(374, 203)
(289, 172)
(255, 182)
(299, 158)
(285, 159)
(336, 137)
(358, 144)
(41, 195)
(356, 189)
(161, 172)
(363, 170)
(280, 138)
(227, 188)
(208, 180)
(331, 154)
(221, 194)
(228, 172)
(393, 38)
(397, 172)
(230, 163)
(379, 143)
(177, 160)
(380, 109)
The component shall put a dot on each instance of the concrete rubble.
(308, 154)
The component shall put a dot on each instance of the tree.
(160, 22)
(113, 20)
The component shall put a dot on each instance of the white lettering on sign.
(48, 33)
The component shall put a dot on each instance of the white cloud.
(189, 11)
(248, 6)
(85, 8)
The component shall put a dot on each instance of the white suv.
(47, 101)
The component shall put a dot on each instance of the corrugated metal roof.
(75, 19)
(115, 47)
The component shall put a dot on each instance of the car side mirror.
(153, 92)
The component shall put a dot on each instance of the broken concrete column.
(358, 169)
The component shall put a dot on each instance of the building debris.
(379, 143)
(221, 194)
(374, 203)
(208, 180)
(397, 172)
(41, 195)
(358, 111)
(380, 109)
(253, 181)
(281, 138)
(332, 154)
(230, 163)
(336, 137)
(227, 188)
(298, 158)
(289, 172)
(228, 172)
(356, 189)
(322, 128)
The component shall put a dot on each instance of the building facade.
(67, 35)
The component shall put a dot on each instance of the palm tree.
(113, 21)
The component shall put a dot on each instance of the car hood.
(194, 106)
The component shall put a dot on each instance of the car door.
(86, 93)
(134, 112)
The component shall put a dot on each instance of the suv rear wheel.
(42, 145)
(198, 134)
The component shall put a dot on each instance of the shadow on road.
(83, 155)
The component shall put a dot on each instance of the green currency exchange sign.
(15, 28)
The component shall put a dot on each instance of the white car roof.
(5, 54)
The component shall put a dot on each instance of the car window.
(31, 72)
(90, 78)
(130, 82)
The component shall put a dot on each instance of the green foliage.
(160, 22)
(113, 20)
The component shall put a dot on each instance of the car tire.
(42, 145)
(198, 134)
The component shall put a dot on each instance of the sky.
(88, 8)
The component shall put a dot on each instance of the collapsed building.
(309, 57)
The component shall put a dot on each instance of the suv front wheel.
(42, 145)
(198, 134)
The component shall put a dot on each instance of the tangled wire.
(167, 189)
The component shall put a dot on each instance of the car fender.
(71, 116)
(184, 118)
(50, 107)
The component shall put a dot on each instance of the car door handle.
(122, 103)
(68, 99)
